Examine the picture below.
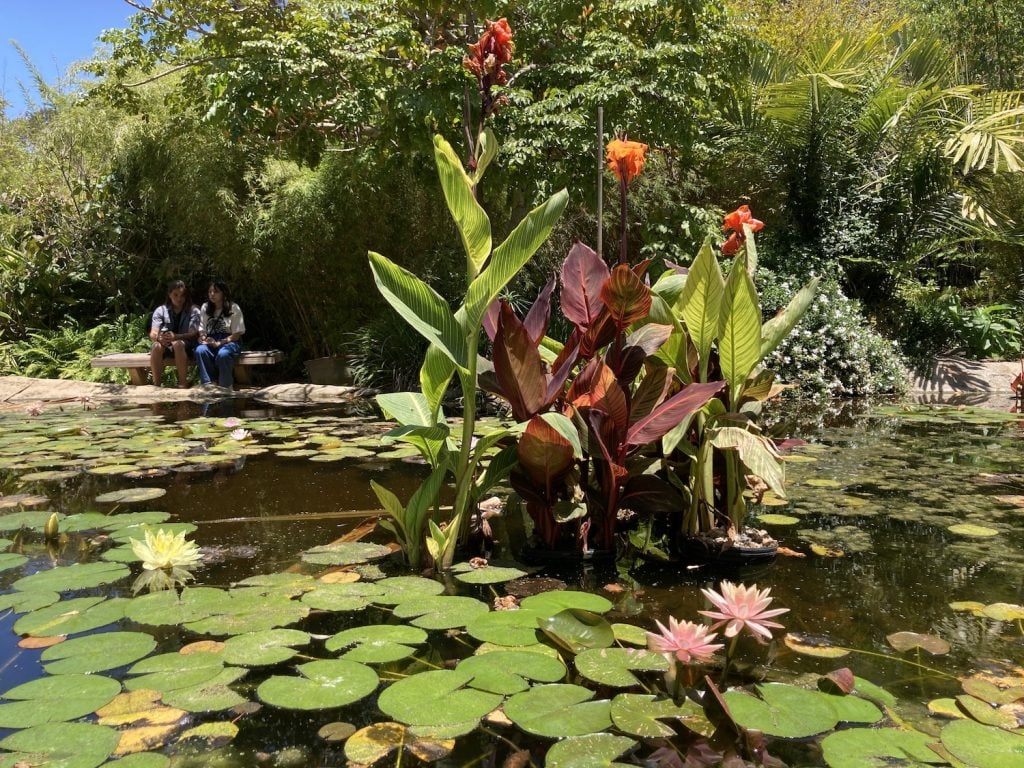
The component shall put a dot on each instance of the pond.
(899, 520)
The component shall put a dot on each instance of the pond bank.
(20, 392)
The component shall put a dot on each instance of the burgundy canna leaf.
(651, 393)
(596, 388)
(563, 366)
(536, 321)
(490, 319)
(649, 337)
(583, 274)
(626, 297)
(667, 415)
(518, 367)
(544, 454)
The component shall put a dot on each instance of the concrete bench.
(137, 363)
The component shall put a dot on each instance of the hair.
(221, 286)
(174, 285)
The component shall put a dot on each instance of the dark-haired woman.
(221, 327)
(174, 331)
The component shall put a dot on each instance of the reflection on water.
(875, 496)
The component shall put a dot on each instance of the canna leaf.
(518, 367)
(435, 374)
(757, 454)
(583, 274)
(739, 330)
(780, 326)
(486, 150)
(544, 453)
(667, 415)
(625, 296)
(470, 219)
(700, 302)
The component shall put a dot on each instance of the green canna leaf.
(470, 219)
(779, 327)
(739, 329)
(700, 302)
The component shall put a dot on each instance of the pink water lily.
(231, 423)
(742, 607)
(684, 639)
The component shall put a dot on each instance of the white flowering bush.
(834, 351)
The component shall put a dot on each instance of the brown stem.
(623, 237)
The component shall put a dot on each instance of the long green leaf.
(739, 331)
(435, 374)
(700, 302)
(470, 219)
(511, 256)
(487, 149)
(756, 453)
(780, 326)
(420, 306)
(407, 408)
(393, 507)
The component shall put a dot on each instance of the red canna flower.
(626, 158)
(490, 53)
(735, 222)
(730, 246)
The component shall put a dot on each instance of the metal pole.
(600, 180)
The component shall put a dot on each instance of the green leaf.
(440, 611)
(511, 256)
(270, 646)
(639, 714)
(375, 742)
(420, 306)
(983, 746)
(577, 630)
(470, 219)
(488, 574)
(342, 597)
(783, 711)
(878, 748)
(611, 666)
(550, 603)
(508, 672)
(739, 329)
(61, 745)
(508, 628)
(596, 750)
(377, 643)
(407, 408)
(700, 302)
(555, 711)
(169, 671)
(77, 576)
(69, 617)
(345, 553)
(780, 326)
(757, 454)
(55, 699)
(436, 698)
(213, 695)
(486, 150)
(96, 653)
(325, 684)
(435, 374)
(398, 589)
(23, 602)
(130, 495)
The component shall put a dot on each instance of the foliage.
(984, 331)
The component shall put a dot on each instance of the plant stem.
(463, 470)
(623, 238)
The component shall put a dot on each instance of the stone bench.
(137, 363)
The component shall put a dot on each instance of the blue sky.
(54, 33)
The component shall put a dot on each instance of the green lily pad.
(214, 733)
(641, 715)
(10, 560)
(783, 711)
(33, 519)
(69, 617)
(868, 690)
(440, 611)
(555, 711)
(340, 454)
(578, 630)
(1004, 612)
(489, 574)
(169, 608)
(439, 698)
(271, 646)
(630, 633)
(985, 713)
(595, 750)
(87, 521)
(345, 553)
(853, 709)
(878, 748)
(550, 603)
(508, 672)
(137, 531)
(325, 684)
(973, 531)
(243, 613)
(60, 745)
(50, 476)
(377, 643)
(112, 469)
(286, 584)
(68, 577)
(23, 500)
(983, 746)
(23, 602)
(170, 671)
(399, 589)
(144, 760)
(213, 695)
(611, 666)
(778, 519)
(909, 641)
(821, 482)
(55, 699)
(509, 628)
(375, 742)
(354, 596)
(131, 495)
(96, 653)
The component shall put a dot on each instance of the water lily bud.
(52, 527)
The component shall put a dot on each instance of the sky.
(54, 33)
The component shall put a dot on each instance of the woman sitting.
(221, 328)
(174, 330)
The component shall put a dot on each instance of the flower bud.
(52, 527)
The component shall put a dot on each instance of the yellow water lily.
(164, 550)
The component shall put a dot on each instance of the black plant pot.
(715, 553)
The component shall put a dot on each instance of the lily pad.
(287, 584)
(69, 617)
(215, 734)
(378, 643)
(399, 589)
(508, 672)
(510, 628)
(555, 711)
(550, 603)
(783, 711)
(440, 611)
(33, 519)
(23, 500)
(1004, 612)
(379, 740)
(595, 750)
(61, 745)
(878, 748)
(629, 633)
(353, 596)
(325, 684)
(55, 699)
(611, 666)
(23, 602)
(983, 746)
(10, 560)
(96, 653)
(489, 574)
(268, 647)
(641, 715)
(345, 553)
(814, 645)
(778, 519)
(908, 641)
(68, 577)
(973, 531)
(131, 495)
(578, 630)
(438, 698)
(169, 671)
(213, 695)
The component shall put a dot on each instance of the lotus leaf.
(69, 617)
(908, 641)
(611, 666)
(878, 748)
(31, 519)
(10, 560)
(23, 602)
(555, 711)
(270, 646)
(68, 577)
(595, 750)
(217, 734)
(377, 643)
(550, 603)
(60, 745)
(509, 628)
(169, 671)
(440, 611)
(325, 684)
(628, 633)
(379, 740)
(507, 672)
(578, 630)
(783, 711)
(345, 553)
(814, 645)
(639, 714)
(287, 584)
(55, 699)
(213, 695)
(439, 699)
(96, 653)
(1004, 612)
(130, 495)
(399, 589)
(489, 574)
(354, 596)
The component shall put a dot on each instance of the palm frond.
(991, 135)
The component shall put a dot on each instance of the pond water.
(898, 521)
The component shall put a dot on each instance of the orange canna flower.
(626, 158)
(730, 246)
(491, 52)
(739, 217)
